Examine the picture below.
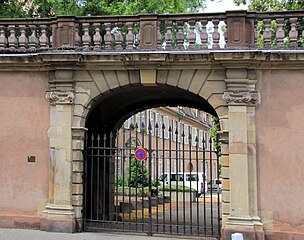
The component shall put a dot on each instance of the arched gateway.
(114, 94)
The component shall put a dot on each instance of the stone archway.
(231, 92)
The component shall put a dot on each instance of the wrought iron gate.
(152, 180)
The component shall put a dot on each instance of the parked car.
(195, 180)
(215, 185)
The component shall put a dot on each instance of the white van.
(194, 180)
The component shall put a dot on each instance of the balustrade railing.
(191, 32)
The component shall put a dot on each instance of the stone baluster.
(180, 37)
(293, 33)
(119, 37)
(12, 40)
(204, 35)
(51, 39)
(33, 41)
(130, 36)
(43, 39)
(23, 41)
(137, 37)
(159, 36)
(225, 33)
(267, 33)
(108, 37)
(86, 39)
(256, 35)
(168, 35)
(191, 35)
(97, 36)
(3, 40)
(280, 33)
(215, 34)
(77, 37)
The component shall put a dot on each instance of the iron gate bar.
(170, 168)
(197, 207)
(211, 192)
(204, 170)
(157, 176)
(150, 178)
(219, 218)
(91, 210)
(190, 160)
(104, 174)
(184, 206)
(176, 164)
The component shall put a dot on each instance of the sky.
(222, 6)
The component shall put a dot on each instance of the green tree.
(272, 5)
(214, 135)
(130, 7)
(137, 174)
(13, 9)
(48, 8)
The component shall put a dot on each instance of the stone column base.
(250, 227)
(247, 234)
(58, 218)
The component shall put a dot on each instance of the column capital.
(241, 87)
(236, 97)
(60, 97)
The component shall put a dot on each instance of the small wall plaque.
(31, 159)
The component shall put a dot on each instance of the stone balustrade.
(186, 32)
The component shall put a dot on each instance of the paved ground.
(25, 234)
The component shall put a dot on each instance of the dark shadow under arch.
(113, 108)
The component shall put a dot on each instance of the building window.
(166, 123)
(180, 131)
(174, 125)
(194, 135)
(160, 165)
(200, 138)
(186, 132)
(138, 123)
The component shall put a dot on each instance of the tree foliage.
(49, 8)
(272, 5)
(137, 174)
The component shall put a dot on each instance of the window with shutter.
(174, 125)
(200, 138)
(186, 131)
(166, 123)
(194, 134)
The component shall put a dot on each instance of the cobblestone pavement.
(26, 234)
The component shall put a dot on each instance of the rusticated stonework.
(60, 97)
(241, 97)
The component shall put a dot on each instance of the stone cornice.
(60, 97)
(254, 59)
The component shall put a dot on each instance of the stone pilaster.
(78, 136)
(242, 98)
(59, 214)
